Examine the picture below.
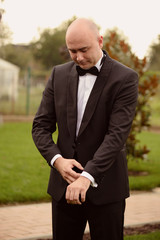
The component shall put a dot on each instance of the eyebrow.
(80, 49)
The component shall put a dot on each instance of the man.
(93, 112)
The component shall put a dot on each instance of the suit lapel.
(72, 101)
(96, 93)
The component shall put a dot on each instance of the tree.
(19, 55)
(120, 50)
(47, 48)
(50, 48)
(5, 33)
(1, 11)
(155, 55)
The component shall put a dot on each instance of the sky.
(138, 20)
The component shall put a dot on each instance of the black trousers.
(105, 222)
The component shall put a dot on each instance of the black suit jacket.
(100, 144)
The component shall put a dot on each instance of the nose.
(79, 56)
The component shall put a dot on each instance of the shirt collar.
(98, 64)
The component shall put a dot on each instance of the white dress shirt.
(85, 86)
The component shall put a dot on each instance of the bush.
(120, 50)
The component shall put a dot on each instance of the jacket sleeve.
(121, 118)
(44, 123)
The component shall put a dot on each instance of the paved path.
(33, 221)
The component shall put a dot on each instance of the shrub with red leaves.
(121, 51)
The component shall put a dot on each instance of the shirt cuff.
(54, 159)
(89, 176)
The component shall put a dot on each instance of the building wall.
(9, 75)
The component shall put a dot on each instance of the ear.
(101, 41)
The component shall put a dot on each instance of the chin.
(85, 66)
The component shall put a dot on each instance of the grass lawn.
(150, 236)
(154, 235)
(24, 173)
(151, 165)
(155, 108)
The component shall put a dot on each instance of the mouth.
(83, 65)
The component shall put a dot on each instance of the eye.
(84, 50)
(73, 51)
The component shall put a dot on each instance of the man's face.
(85, 49)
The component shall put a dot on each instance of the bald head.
(84, 42)
(82, 25)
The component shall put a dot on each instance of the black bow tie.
(92, 70)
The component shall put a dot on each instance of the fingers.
(83, 196)
(76, 191)
(70, 175)
(69, 169)
(78, 165)
(73, 197)
(71, 178)
(75, 171)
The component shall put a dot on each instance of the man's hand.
(76, 191)
(65, 168)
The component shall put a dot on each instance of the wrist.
(54, 159)
(57, 161)
(89, 176)
(85, 180)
